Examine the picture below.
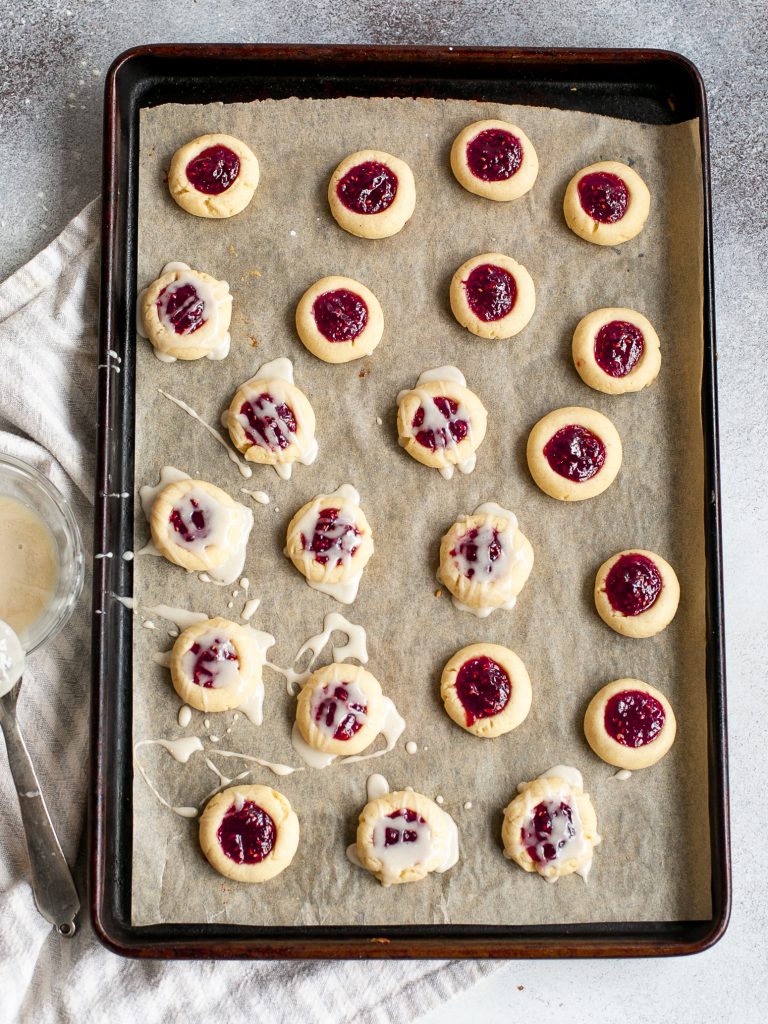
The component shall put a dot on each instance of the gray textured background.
(53, 57)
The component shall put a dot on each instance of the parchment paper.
(653, 863)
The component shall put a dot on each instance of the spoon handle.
(52, 885)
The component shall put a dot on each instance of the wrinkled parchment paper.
(653, 862)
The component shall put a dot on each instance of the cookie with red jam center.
(606, 203)
(637, 593)
(213, 176)
(574, 453)
(486, 689)
(616, 351)
(630, 724)
(372, 194)
(340, 710)
(494, 159)
(493, 296)
(338, 320)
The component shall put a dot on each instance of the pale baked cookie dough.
(185, 314)
(493, 296)
(340, 709)
(485, 560)
(486, 689)
(637, 593)
(495, 160)
(616, 350)
(216, 665)
(271, 421)
(249, 833)
(338, 320)
(630, 724)
(440, 422)
(550, 827)
(330, 542)
(372, 194)
(199, 527)
(606, 203)
(402, 837)
(574, 453)
(213, 176)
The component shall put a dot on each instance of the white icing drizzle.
(411, 747)
(11, 658)
(128, 556)
(564, 771)
(181, 750)
(249, 609)
(162, 658)
(245, 583)
(182, 617)
(126, 602)
(313, 758)
(344, 591)
(351, 706)
(281, 367)
(512, 551)
(261, 497)
(245, 469)
(434, 419)
(468, 805)
(185, 715)
(355, 647)
(148, 494)
(278, 769)
(253, 706)
(623, 774)
(392, 728)
(376, 786)
(148, 624)
(224, 669)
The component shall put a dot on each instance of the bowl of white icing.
(41, 554)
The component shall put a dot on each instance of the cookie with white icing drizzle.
(486, 689)
(213, 176)
(485, 560)
(340, 709)
(402, 837)
(330, 542)
(550, 827)
(440, 422)
(216, 665)
(249, 833)
(185, 314)
(271, 421)
(198, 526)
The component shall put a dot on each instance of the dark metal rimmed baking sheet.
(649, 86)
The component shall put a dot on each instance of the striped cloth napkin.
(48, 347)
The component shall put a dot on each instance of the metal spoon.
(52, 884)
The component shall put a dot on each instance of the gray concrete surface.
(53, 57)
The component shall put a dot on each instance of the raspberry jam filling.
(341, 711)
(575, 453)
(401, 834)
(214, 170)
(334, 537)
(633, 584)
(483, 687)
(189, 521)
(491, 292)
(603, 196)
(369, 187)
(479, 549)
(549, 829)
(247, 835)
(181, 308)
(270, 422)
(494, 155)
(633, 718)
(340, 315)
(619, 347)
(209, 659)
(441, 429)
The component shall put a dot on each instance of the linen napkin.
(48, 375)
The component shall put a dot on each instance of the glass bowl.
(28, 486)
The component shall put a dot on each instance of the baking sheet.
(653, 863)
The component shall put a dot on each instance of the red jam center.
(207, 661)
(494, 155)
(633, 718)
(454, 431)
(392, 836)
(619, 346)
(190, 526)
(350, 724)
(271, 423)
(536, 834)
(491, 292)
(483, 687)
(633, 584)
(214, 170)
(370, 187)
(603, 196)
(468, 550)
(182, 307)
(333, 537)
(340, 315)
(575, 453)
(247, 836)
